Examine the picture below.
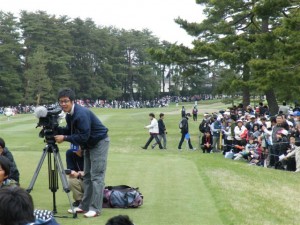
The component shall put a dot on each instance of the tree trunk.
(38, 99)
(272, 102)
(270, 94)
(246, 97)
(163, 79)
(246, 91)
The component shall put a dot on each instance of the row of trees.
(251, 47)
(41, 53)
(248, 47)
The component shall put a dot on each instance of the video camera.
(49, 120)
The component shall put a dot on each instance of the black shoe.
(76, 203)
(144, 148)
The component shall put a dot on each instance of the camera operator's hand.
(59, 138)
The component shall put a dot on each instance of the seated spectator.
(119, 220)
(256, 131)
(14, 172)
(4, 173)
(240, 133)
(206, 142)
(16, 207)
(281, 145)
(293, 156)
(74, 160)
(250, 149)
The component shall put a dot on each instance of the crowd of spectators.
(118, 104)
(254, 136)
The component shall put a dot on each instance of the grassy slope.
(180, 188)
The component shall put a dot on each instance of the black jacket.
(84, 128)
(185, 125)
(14, 172)
(161, 126)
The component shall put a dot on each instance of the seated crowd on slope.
(254, 136)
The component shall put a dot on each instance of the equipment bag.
(122, 196)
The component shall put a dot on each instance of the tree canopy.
(252, 45)
(242, 47)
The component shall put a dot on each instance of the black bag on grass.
(122, 196)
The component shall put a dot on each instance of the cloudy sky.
(156, 15)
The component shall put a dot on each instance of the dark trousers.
(228, 147)
(153, 136)
(206, 149)
(274, 152)
(291, 164)
(182, 140)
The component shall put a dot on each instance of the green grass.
(179, 188)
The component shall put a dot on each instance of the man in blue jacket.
(86, 130)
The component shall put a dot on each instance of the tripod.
(55, 167)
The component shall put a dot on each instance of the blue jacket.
(217, 126)
(84, 128)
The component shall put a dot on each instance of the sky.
(156, 15)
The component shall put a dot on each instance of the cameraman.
(86, 130)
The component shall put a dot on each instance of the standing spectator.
(185, 132)
(85, 129)
(216, 130)
(14, 172)
(262, 109)
(195, 113)
(274, 141)
(249, 125)
(228, 136)
(162, 131)
(284, 109)
(205, 124)
(153, 130)
(183, 112)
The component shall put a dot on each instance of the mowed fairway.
(179, 188)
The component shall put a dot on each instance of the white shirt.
(153, 127)
(238, 131)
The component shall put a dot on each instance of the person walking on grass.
(162, 131)
(153, 130)
(184, 127)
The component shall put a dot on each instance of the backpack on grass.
(122, 196)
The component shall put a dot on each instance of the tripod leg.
(53, 180)
(63, 178)
(37, 170)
